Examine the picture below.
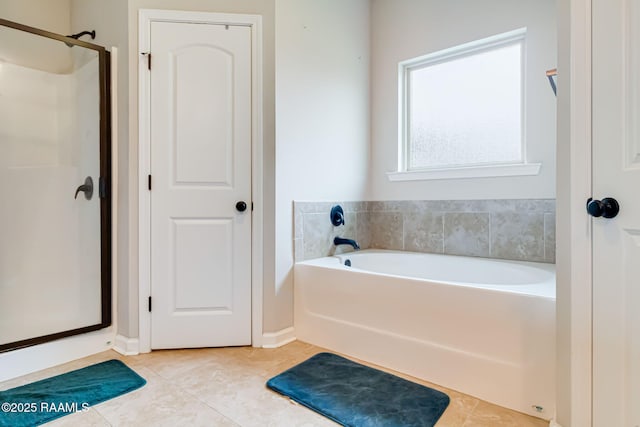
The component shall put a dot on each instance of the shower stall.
(55, 195)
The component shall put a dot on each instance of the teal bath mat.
(42, 401)
(355, 395)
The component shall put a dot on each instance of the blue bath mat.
(42, 401)
(354, 395)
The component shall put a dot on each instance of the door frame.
(145, 18)
(574, 290)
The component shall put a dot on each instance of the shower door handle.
(86, 188)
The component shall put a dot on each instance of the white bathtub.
(480, 326)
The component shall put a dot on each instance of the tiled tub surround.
(522, 229)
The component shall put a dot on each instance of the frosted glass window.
(465, 109)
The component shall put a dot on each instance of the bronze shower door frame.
(104, 64)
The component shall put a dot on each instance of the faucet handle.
(337, 216)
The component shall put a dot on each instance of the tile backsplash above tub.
(507, 229)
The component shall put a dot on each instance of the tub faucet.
(340, 241)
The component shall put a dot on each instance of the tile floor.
(225, 387)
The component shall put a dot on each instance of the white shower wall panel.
(50, 246)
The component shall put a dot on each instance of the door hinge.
(149, 182)
(149, 304)
(148, 56)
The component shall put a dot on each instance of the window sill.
(467, 172)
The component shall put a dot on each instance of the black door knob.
(607, 207)
(241, 206)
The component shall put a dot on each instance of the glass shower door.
(54, 179)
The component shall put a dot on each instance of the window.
(462, 109)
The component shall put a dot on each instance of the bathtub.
(480, 326)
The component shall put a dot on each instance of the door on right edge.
(616, 241)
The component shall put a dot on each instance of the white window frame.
(488, 169)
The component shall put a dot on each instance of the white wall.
(50, 15)
(404, 29)
(33, 51)
(322, 120)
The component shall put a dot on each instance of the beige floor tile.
(90, 418)
(159, 403)
(460, 406)
(488, 415)
(173, 363)
(452, 418)
(236, 388)
(294, 352)
(461, 402)
(226, 387)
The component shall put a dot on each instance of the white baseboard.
(554, 423)
(278, 339)
(127, 346)
(31, 359)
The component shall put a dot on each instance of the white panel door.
(616, 241)
(201, 167)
